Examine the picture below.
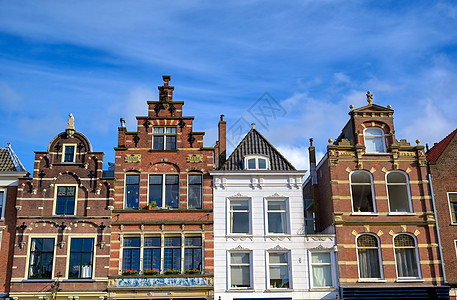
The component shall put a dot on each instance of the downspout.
(437, 227)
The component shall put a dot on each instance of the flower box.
(193, 271)
(167, 272)
(130, 272)
(150, 272)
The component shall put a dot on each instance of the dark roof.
(9, 161)
(255, 143)
(434, 153)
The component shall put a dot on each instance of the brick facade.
(163, 146)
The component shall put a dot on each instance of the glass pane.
(276, 258)
(276, 205)
(151, 259)
(76, 244)
(155, 189)
(173, 241)
(367, 241)
(194, 200)
(369, 263)
(171, 129)
(158, 130)
(158, 142)
(396, 177)
(239, 205)
(131, 242)
(172, 190)
(171, 143)
(48, 245)
(193, 241)
(132, 191)
(362, 198)
(172, 179)
(172, 258)
(404, 240)
(321, 258)
(241, 276)
(277, 222)
(152, 241)
(240, 222)
(195, 179)
(262, 163)
(240, 258)
(155, 179)
(322, 276)
(374, 144)
(406, 262)
(132, 179)
(398, 198)
(251, 163)
(360, 177)
(373, 131)
(279, 276)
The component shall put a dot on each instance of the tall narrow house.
(374, 191)
(162, 235)
(62, 236)
(261, 247)
(10, 170)
(442, 159)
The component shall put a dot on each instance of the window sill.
(410, 280)
(240, 289)
(239, 235)
(371, 280)
(363, 213)
(78, 280)
(377, 153)
(401, 214)
(38, 280)
(322, 288)
(63, 216)
(276, 290)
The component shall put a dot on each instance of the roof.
(9, 161)
(435, 152)
(255, 143)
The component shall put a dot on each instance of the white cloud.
(9, 98)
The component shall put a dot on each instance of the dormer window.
(375, 141)
(256, 163)
(68, 153)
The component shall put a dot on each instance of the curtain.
(369, 263)
(406, 262)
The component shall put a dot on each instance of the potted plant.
(152, 205)
(193, 271)
(130, 272)
(171, 271)
(150, 272)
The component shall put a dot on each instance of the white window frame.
(229, 270)
(139, 189)
(229, 216)
(164, 134)
(373, 196)
(3, 202)
(287, 212)
(416, 252)
(408, 190)
(450, 207)
(382, 137)
(94, 254)
(201, 190)
(289, 268)
(164, 205)
(29, 246)
(256, 157)
(56, 187)
(1, 235)
(332, 263)
(63, 153)
(363, 279)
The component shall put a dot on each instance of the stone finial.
(122, 122)
(389, 106)
(71, 122)
(253, 125)
(369, 97)
(330, 141)
(166, 80)
(418, 141)
(351, 107)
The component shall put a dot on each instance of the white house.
(261, 250)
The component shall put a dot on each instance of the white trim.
(450, 209)
(164, 134)
(163, 185)
(229, 269)
(289, 269)
(3, 203)
(29, 245)
(80, 236)
(229, 216)
(56, 187)
(373, 196)
(383, 137)
(408, 190)
(332, 269)
(256, 158)
(381, 270)
(74, 153)
(201, 191)
(139, 189)
(416, 251)
(287, 212)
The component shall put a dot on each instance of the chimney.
(313, 174)
(166, 91)
(222, 142)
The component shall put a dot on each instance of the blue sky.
(102, 60)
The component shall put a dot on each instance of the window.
(68, 153)
(81, 258)
(362, 192)
(164, 138)
(310, 226)
(2, 204)
(279, 270)
(406, 256)
(195, 191)
(152, 252)
(168, 191)
(132, 191)
(239, 216)
(374, 140)
(41, 258)
(369, 257)
(193, 253)
(398, 192)
(453, 206)
(66, 198)
(131, 254)
(172, 253)
(321, 265)
(277, 216)
(240, 270)
(256, 163)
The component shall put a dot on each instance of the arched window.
(406, 256)
(398, 192)
(375, 141)
(362, 192)
(369, 258)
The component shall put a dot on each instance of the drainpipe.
(437, 227)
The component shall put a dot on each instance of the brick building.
(442, 158)
(10, 170)
(162, 235)
(374, 191)
(62, 241)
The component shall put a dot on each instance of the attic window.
(68, 153)
(375, 141)
(256, 163)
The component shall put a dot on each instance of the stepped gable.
(255, 143)
(435, 152)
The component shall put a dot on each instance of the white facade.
(251, 256)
